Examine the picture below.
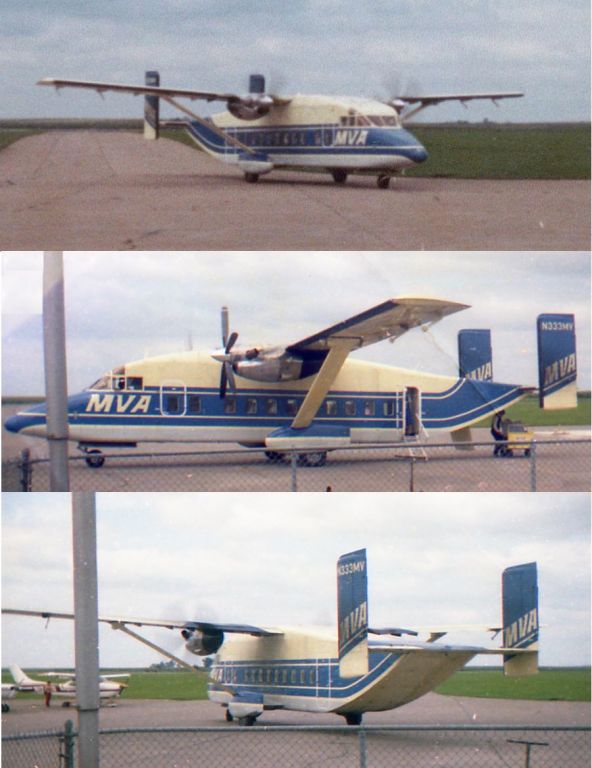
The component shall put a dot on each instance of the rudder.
(352, 613)
(556, 340)
(520, 618)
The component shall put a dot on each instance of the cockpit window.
(103, 383)
(357, 120)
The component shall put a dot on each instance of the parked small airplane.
(318, 669)
(261, 132)
(108, 688)
(306, 396)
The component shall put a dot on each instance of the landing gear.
(383, 181)
(252, 178)
(317, 459)
(228, 716)
(339, 176)
(94, 457)
(353, 718)
(275, 457)
(247, 721)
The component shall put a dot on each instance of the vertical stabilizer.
(152, 108)
(352, 613)
(475, 360)
(556, 337)
(520, 618)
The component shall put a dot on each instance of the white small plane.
(9, 691)
(261, 132)
(108, 688)
(341, 670)
(305, 396)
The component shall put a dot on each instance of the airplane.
(342, 670)
(261, 132)
(108, 688)
(305, 396)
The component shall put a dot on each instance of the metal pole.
(362, 742)
(54, 349)
(86, 627)
(26, 471)
(412, 474)
(294, 463)
(533, 477)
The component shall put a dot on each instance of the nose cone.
(23, 420)
(415, 152)
(419, 154)
(16, 423)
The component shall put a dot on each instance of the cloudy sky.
(226, 557)
(311, 46)
(124, 306)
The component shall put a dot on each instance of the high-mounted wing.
(388, 320)
(147, 90)
(245, 629)
(431, 100)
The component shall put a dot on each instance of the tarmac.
(113, 190)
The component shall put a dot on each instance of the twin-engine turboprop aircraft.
(318, 669)
(261, 132)
(306, 396)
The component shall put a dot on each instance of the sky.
(379, 49)
(125, 306)
(241, 559)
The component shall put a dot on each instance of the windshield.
(103, 383)
(358, 119)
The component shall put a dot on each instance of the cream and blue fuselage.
(176, 398)
(316, 132)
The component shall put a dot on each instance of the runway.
(112, 190)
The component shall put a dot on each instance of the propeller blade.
(225, 325)
(231, 342)
(230, 376)
(223, 380)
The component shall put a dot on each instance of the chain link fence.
(310, 746)
(547, 465)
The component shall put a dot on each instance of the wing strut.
(338, 353)
(123, 628)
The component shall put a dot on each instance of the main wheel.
(317, 459)
(251, 177)
(275, 456)
(383, 181)
(247, 721)
(339, 176)
(95, 458)
(353, 718)
(228, 716)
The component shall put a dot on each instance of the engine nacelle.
(202, 642)
(279, 368)
(250, 107)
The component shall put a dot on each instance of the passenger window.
(251, 406)
(331, 407)
(229, 405)
(369, 407)
(388, 408)
(350, 407)
(271, 406)
(291, 407)
(194, 404)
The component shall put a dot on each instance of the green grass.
(505, 152)
(9, 137)
(548, 685)
(529, 413)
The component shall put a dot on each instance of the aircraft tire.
(252, 178)
(5, 708)
(527, 452)
(247, 721)
(95, 459)
(383, 181)
(339, 176)
(275, 457)
(353, 718)
(228, 716)
(316, 459)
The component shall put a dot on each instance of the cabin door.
(412, 412)
(173, 398)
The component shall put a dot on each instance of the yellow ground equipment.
(519, 438)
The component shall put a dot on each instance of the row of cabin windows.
(267, 676)
(366, 120)
(292, 138)
(270, 406)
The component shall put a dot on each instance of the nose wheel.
(383, 181)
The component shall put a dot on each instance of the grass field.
(462, 151)
(549, 685)
(529, 413)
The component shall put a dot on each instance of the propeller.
(228, 341)
(398, 87)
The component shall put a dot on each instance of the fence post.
(26, 469)
(293, 471)
(362, 740)
(67, 741)
(533, 478)
(412, 474)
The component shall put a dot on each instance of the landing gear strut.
(93, 457)
(353, 718)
